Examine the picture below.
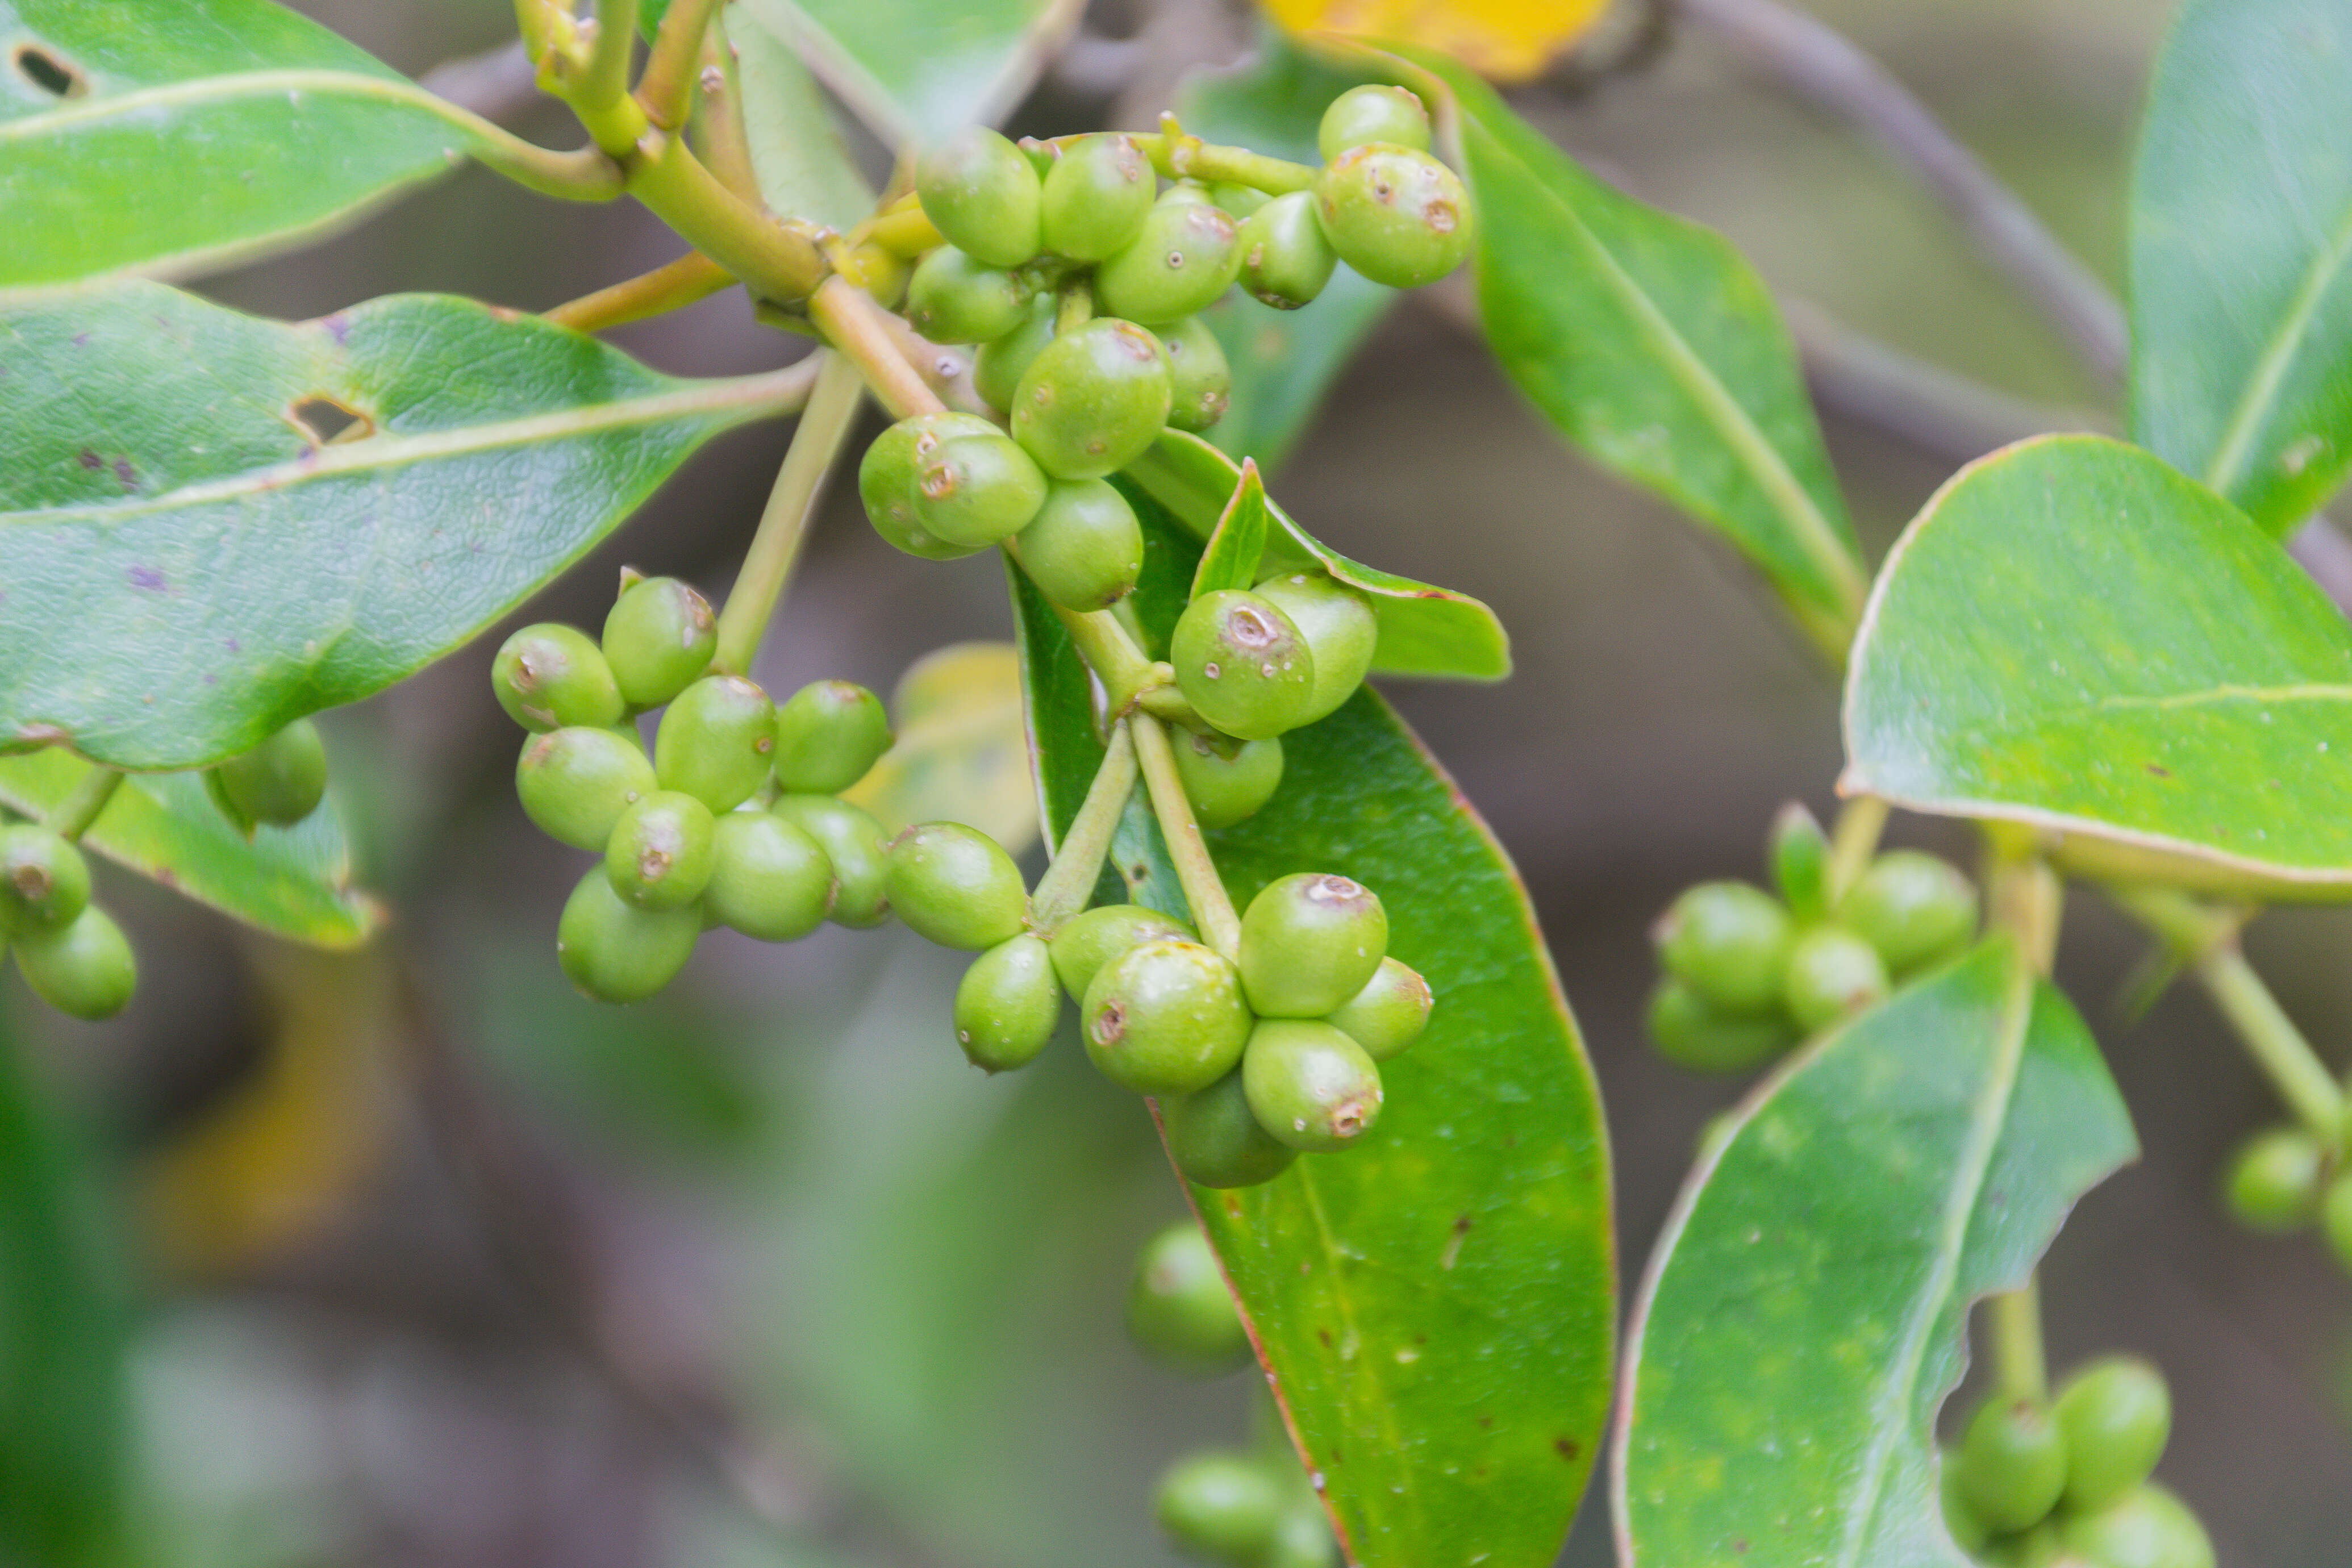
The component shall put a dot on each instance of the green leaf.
(295, 882)
(1436, 1306)
(173, 138)
(2074, 635)
(1652, 344)
(803, 166)
(1423, 630)
(2241, 255)
(1237, 545)
(1806, 1309)
(190, 566)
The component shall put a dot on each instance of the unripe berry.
(886, 479)
(550, 675)
(1084, 550)
(855, 845)
(2275, 1180)
(1339, 628)
(1186, 253)
(1310, 1084)
(1220, 1506)
(1302, 1540)
(1201, 382)
(660, 854)
(1728, 941)
(1799, 854)
(1226, 780)
(981, 193)
(2148, 1528)
(1179, 1310)
(716, 741)
(1968, 1532)
(1309, 943)
(2117, 1414)
(1215, 1139)
(1832, 975)
(575, 783)
(1195, 192)
(44, 880)
(1007, 1004)
(880, 271)
(1285, 260)
(1243, 664)
(2336, 1219)
(1097, 196)
(658, 638)
(1087, 941)
(1374, 113)
(280, 781)
(956, 885)
(1165, 1017)
(828, 734)
(1238, 200)
(1093, 400)
(85, 968)
(1690, 1033)
(1396, 215)
(1389, 1013)
(2013, 1463)
(998, 367)
(978, 490)
(1913, 907)
(952, 298)
(615, 952)
(769, 879)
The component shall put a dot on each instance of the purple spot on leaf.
(82, 339)
(145, 577)
(125, 475)
(91, 461)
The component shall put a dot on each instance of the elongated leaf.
(961, 754)
(1238, 543)
(1806, 1309)
(2074, 635)
(1423, 630)
(804, 167)
(1436, 1306)
(189, 565)
(295, 882)
(175, 137)
(2241, 254)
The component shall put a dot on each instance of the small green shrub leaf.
(802, 165)
(1237, 545)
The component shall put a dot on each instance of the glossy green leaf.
(1446, 1360)
(1806, 1309)
(190, 565)
(2074, 635)
(1237, 545)
(1423, 630)
(803, 166)
(171, 138)
(295, 882)
(2241, 255)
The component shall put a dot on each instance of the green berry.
(280, 781)
(716, 741)
(828, 734)
(998, 367)
(1968, 1532)
(1215, 1139)
(1243, 664)
(886, 479)
(1372, 113)
(1832, 975)
(2276, 1178)
(983, 194)
(1728, 941)
(1914, 908)
(1220, 1506)
(1799, 853)
(956, 885)
(658, 638)
(552, 675)
(1195, 192)
(1093, 400)
(1097, 196)
(1165, 1017)
(1084, 550)
(1310, 1084)
(2336, 1219)
(978, 490)
(1240, 201)
(2148, 1527)
(1087, 941)
(1338, 626)
(1007, 1004)
(2116, 1415)
(44, 880)
(84, 968)
(1396, 215)
(1179, 1310)
(769, 879)
(1285, 260)
(1201, 382)
(2013, 1463)
(1691, 1033)
(614, 950)
(575, 783)
(1303, 1540)
(855, 845)
(1186, 253)
(1389, 1013)
(952, 298)
(1226, 780)
(1310, 942)
(661, 853)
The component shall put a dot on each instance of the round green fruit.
(1093, 400)
(1310, 942)
(1007, 1004)
(1097, 196)
(280, 781)
(1913, 907)
(1832, 975)
(1968, 1532)
(550, 675)
(998, 367)
(956, 885)
(44, 880)
(1215, 1138)
(978, 490)
(661, 852)
(658, 638)
(2336, 1219)
(1165, 1017)
(1341, 631)
(952, 298)
(1179, 1309)
(769, 879)
(981, 193)
(1220, 1506)
(84, 968)
(1303, 1540)
(886, 479)
(1084, 550)
(855, 845)
(2013, 1463)
(1186, 253)
(1243, 665)
(1228, 781)
(1238, 200)
(1201, 384)
(1310, 1084)
(1728, 941)
(828, 734)
(1691, 1033)
(1285, 260)
(615, 952)
(1374, 113)
(2148, 1527)
(575, 783)
(2116, 1415)
(2276, 1179)
(1087, 941)
(716, 741)
(1396, 215)
(1389, 1013)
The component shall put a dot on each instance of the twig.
(1063, 891)
(672, 286)
(2020, 1370)
(667, 87)
(76, 812)
(768, 565)
(718, 119)
(1204, 890)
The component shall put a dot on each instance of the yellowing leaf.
(1506, 40)
(962, 753)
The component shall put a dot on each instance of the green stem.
(767, 563)
(1076, 307)
(852, 323)
(666, 86)
(2020, 1372)
(2027, 900)
(717, 117)
(606, 81)
(671, 287)
(1853, 842)
(1069, 883)
(74, 814)
(1127, 675)
(1204, 890)
(775, 261)
(1182, 157)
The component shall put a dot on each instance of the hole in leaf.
(323, 419)
(50, 72)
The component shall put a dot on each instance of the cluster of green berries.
(69, 950)
(1748, 973)
(2066, 1485)
(2284, 1179)
(733, 820)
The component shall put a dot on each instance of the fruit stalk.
(1212, 908)
(74, 814)
(1853, 842)
(672, 286)
(667, 87)
(1069, 883)
(768, 565)
(2019, 1369)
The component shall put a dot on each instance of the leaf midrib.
(2260, 399)
(234, 87)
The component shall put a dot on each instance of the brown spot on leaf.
(125, 475)
(91, 461)
(2159, 770)
(1570, 1449)
(48, 70)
